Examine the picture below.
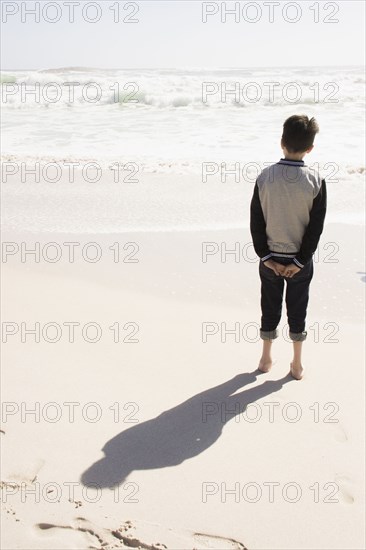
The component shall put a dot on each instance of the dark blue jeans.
(297, 298)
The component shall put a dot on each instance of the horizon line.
(187, 67)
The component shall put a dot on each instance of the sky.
(172, 34)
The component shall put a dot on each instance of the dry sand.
(175, 468)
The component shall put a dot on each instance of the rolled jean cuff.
(298, 336)
(269, 334)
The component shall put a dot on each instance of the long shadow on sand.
(179, 433)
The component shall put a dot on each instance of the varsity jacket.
(287, 211)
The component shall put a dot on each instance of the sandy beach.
(133, 412)
(160, 432)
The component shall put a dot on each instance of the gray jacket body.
(287, 211)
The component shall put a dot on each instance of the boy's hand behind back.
(275, 266)
(284, 270)
(291, 270)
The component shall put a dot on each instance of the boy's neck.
(299, 155)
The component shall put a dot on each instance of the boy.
(287, 215)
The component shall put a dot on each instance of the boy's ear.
(310, 149)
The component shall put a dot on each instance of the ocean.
(178, 124)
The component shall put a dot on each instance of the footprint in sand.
(339, 433)
(29, 473)
(77, 503)
(344, 491)
(9, 510)
(147, 536)
(217, 543)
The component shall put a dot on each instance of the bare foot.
(265, 365)
(297, 371)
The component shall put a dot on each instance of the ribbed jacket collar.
(292, 162)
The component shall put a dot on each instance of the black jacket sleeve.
(258, 227)
(314, 229)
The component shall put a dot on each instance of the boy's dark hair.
(298, 133)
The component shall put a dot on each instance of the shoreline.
(195, 266)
